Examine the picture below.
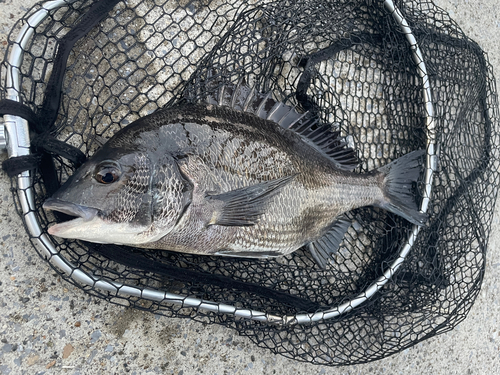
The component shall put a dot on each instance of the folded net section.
(349, 63)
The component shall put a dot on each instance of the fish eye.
(107, 173)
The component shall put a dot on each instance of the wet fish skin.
(207, 179)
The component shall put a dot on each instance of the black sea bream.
(240, 175)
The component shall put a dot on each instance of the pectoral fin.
(242, 207)
(323, 248)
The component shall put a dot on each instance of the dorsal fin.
(243, 98)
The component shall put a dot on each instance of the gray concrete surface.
(47, 326)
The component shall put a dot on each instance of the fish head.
(121, 196)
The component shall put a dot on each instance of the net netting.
(346, 61)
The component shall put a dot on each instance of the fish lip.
(72, 209)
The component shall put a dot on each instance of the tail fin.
(397, 188)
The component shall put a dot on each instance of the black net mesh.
(346, 61)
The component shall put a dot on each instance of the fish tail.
(397, 187)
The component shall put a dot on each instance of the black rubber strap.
(19, 164)
(44, 146)
(11, 107)
(47, 143)
(57, 147)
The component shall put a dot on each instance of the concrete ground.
(47, 326)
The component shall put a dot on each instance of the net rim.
(19, 145)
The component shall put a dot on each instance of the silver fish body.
(213, 179)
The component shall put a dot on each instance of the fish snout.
(72, 209)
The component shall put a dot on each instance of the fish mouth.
(81, 214)
(72, 209)
(88, 225)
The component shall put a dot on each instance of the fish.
(237, 174)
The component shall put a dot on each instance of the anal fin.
(323, 248)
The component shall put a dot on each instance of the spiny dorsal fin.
(243, 98)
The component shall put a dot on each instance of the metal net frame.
(391, 77)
